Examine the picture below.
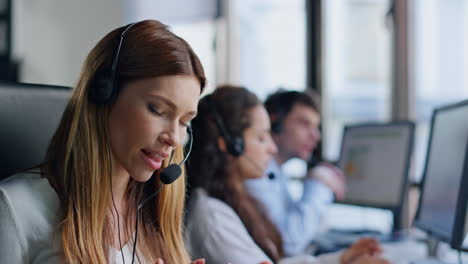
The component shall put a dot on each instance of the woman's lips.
(154, 161)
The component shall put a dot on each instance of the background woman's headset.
(234, 144)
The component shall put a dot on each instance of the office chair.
(29, 115)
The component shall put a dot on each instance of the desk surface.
(409, 251)
(404, 252)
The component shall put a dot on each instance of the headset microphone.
(167, 176)
(271, 175)
(173, 171)
(170, 174)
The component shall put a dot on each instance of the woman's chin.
(143, 177)
(254, 175)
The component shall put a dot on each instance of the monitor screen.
(444, 168)
(375, 160)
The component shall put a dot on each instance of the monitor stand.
(432, 245)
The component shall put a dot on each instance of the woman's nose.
(315, 134)
(171, 136)
(273, 148)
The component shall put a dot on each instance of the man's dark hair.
(280, 103)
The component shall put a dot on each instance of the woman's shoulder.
(29, 198)
(29, 217)
(209, 207)
(27, 185)
(215, 232)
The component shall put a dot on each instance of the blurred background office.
(372, 60)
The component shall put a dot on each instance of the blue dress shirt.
(297, 221)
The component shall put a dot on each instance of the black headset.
(234, 144)
(103, 86)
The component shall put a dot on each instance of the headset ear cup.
(236, 146)
(101, 90)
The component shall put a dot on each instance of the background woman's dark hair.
(210, 170)
(280, 103)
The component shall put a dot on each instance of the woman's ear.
(222, 144)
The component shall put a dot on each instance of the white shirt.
(297, 221)
(215, 232)
(29, 218)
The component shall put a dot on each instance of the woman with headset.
(93, 199)
(225, 224)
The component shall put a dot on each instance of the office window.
(3, 39)
(357, 50)
(5, 24)
(201, 36)
(194, 21)
(441, 62)
(3, 5)
(272, 38)
(357, 67)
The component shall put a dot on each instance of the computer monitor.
(442, 203)
(460, 228)
(375, 159)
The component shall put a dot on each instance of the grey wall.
(52, 37)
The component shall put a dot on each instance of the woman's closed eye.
(187, 119)
(155, 110)
(185, 124)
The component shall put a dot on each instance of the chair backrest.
(29, 116)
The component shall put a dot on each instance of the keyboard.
(335, 239)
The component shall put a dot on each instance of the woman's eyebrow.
(171, 104)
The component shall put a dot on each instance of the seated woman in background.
(232, 143)
(138, 90)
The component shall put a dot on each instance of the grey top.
(29, 222)
(215, 232)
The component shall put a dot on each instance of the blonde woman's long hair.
(79, 160)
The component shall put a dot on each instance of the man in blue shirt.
(294, 123)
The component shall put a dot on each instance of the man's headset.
(234, 143)
(104, 89)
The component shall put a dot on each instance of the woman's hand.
(365, 247)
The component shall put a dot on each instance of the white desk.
(409, 251)
(404, 252)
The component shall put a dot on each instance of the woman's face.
(259, 147)
(149, 120)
